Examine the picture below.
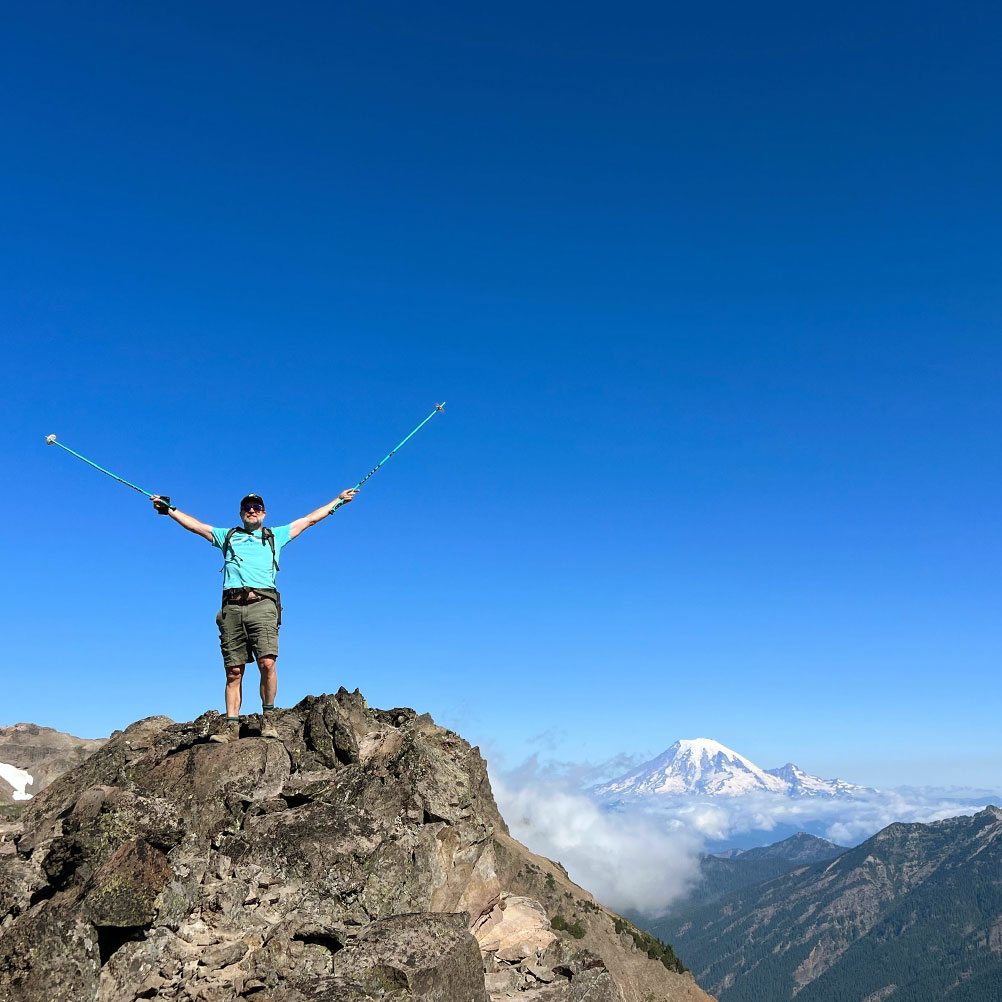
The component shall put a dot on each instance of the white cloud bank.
(633, 861)
(644, 856)
(846, 822)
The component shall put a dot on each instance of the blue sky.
(712, 294)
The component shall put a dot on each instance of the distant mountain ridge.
(724, 873)
(31, 757)
(912, 914)
(798, 850)
(702, 766)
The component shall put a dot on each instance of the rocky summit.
(359, 856)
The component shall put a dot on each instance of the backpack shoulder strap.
(226, 542)
(227, 545)
(267, 536)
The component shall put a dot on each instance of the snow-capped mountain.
(803, 784)
(705, 767)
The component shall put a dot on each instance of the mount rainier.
(707, 768)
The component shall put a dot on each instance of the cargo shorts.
(248, 632)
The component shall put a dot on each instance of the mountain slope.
(722, 876)
(912, 914)
(797, 850)
(31, 757)
(361, 855)
(803, 784)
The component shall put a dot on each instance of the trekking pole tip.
(49, 439)
(438, 407)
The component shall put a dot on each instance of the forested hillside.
(913, 914)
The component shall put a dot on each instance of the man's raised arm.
(190, 523)
(301, 524)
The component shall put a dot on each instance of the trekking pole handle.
(340, 501)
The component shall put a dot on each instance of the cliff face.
(359, 856)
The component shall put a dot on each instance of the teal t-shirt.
(248, 562)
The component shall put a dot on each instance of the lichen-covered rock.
(432, 956)
(49, 953)
(122, 893)
(351, 859)
(20, 879)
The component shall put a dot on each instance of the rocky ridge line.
(360, 856)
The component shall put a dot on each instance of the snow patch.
(18, 780)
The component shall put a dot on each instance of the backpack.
(267, 536)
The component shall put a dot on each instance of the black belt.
(247, 596)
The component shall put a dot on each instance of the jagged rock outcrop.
(360, 856)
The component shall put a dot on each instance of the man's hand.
(161, 506)
(347, 495)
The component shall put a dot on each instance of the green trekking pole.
(51, 440)
(439, 409)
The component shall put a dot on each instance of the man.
(251, 612)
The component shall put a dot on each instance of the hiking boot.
(268, 726)
(229, 730)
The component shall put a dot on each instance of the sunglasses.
(253, 507)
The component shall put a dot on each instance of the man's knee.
(234, 673)
(266, 664)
